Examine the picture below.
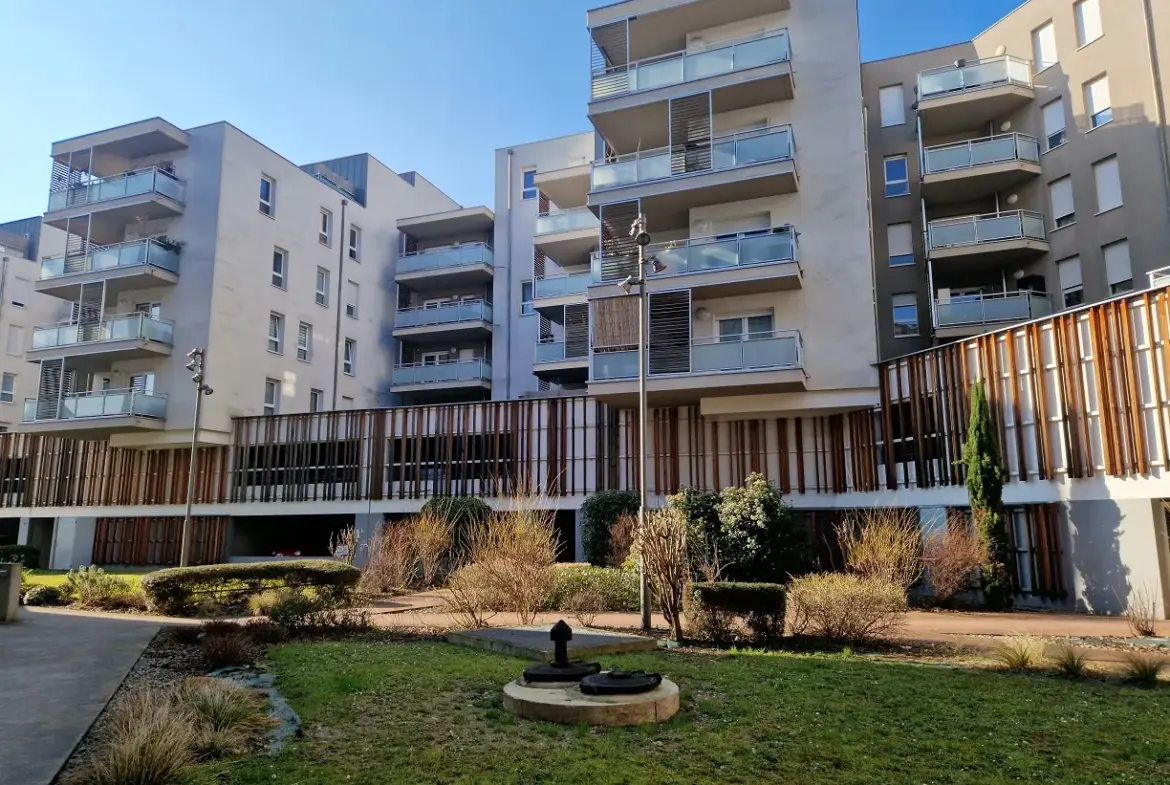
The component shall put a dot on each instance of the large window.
(349, 358)
(7, 388)
(275, 333)
(325, 232)
(745, 328)
(351, 299)
(322, 293)
(1108, 178)
(897, 176)
(1072, 289)
(267, 196)
(1088, 14)
(305, 342)
(279, 268)
(901, 242)
(1044, 46)
(905, 315)
(1118, 268)
(893, 105)
(1063, 210)
(529, 191)
(1098, 102)
(271, 396)
(1054, 124)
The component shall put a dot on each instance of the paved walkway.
(58, 670)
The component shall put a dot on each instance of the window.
(905, 315)
(153, 310)
(529, 191)
(275, 333)
(267, 196)
(3, 428)
(351, 299)
(21, 292)
(1098, 103)
(316, 400)
(355, 243)
(901, 241)
(897, 176)
(141, 382)
(1022, 539)
(1108, 178)
(271, 396)
(15, 346)
(1054, 124)
(1063, 211)
(7, 388)
(325, 233)
(1117, 267)
(526, 308)
(1088, 14)
(346, 402)
(305, 342)
(322, 287)
(745, 328)
(279, 268)
(1071, 288)
(349, 360)
(893, 105)
(1044, 47)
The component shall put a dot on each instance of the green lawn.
(57, 577)
(431, 713)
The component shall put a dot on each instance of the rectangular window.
(905, 315)
(141, 382)
(901, 240)
(267, 196)
(1063, 211)
(745, 328)
(305, 342)
(153, 310)
(1088, 14)
(325, 233)
(271, 396)
(893, 105)
(7, 388)
(526, 308)
(1044, 46)
(1108, 178)
(529, 191)
(1098, 102)
(316, 400)
(21, 292)
(1054, 124)
(346, 402)
(322, 293)
(279, 268)
(349, 359)
(15, 347)
(1022, 538)
(1118, 270)
(275, 333)
(355, 243)
(1071, 286)
(351, 299)
(897, 176)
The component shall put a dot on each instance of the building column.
(22, 532)
(578, 548)
(72, 543)
(367, 526)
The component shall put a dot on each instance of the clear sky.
(430, 85)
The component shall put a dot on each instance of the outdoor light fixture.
(628, 284)
(195, 366)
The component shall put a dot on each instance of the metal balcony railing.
(973, 75)
(111, 257)
(562, 351)
(98, 404)
(963, 310)
(980, 152)
(561, 285)
(135, 183)
(776, 350)
(444, 313)
(443, 372)
(723, 57)
(990, 228)
(566, 221)
(121, 327)
(448, 256)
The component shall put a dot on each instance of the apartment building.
(20, 308)
(204, 237)
(1019, 174)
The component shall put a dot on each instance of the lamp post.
(195, 366)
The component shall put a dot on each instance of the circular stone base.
(565, 703)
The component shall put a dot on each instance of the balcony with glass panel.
(970, 314)
(114, 338)
(554, 291)
(444, 322)
(726, 265)
(996, 237)
(970, 170)
(95, 413)
(115, 202)
(138, 264)
(446, 266)
(970, 94)
(568, 236)
(561, 360)
(444, 375)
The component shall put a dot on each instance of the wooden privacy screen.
(139, 541)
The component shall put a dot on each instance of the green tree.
(985, 479)
(761, 539)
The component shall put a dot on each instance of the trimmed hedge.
(598, 515)
(761, 606)
(617, 589)
(171, 591)
(24, 555)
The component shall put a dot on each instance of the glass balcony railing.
(769, 351)
(127, 327)
(447, 256)
(135, 253)
(607, 366)
(561, 285)
(444, 372)
(981, 152)
(727, 152)
(704, 254)
(136, 183)
(991, 228)
(977, 309)
(566, 221)
(95, 405)
(677, 67)
(560, 351)
(974, 75)
(444, 313)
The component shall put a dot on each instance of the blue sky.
(411, 81)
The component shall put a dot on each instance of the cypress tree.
(985, 479)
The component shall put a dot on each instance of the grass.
(132, 575)
(431, 713)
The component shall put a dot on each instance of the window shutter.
(1062, 197)
(893, 105)
(901, 239)
(1108, 184)
(1117, 264)
(1070, 273)
(1054, 117)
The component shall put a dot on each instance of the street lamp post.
(196, 356)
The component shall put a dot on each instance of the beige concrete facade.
(21, 310)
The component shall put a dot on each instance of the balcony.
(963, 315)
(138, 264)
(568, 236)
(123, 337)
(96, 413)
(747, 165)
(972, 93)
(981, 167)
(115, 202)
(455, 374)
(557, 291)
(561, 360)
(468, 264)
(469, 319)
(998, 238)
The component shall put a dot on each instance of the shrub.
(219, 627)
(1141, 612)
(148, 740)
(585, 605)
(25, 555)
(1017, 653)
(841, 607)
(704, 533)
(172, 590)
(1143, 668)
(390, 561)
(222, 650)
(513, 557)
(599, 513)
(621, 539)
(761, 606)
(463, 513)
(43, 595)
(262, 604)
(1070, 660)
(760, 538)
(470, 601)
(883, 543)
(616, 589)
(292, 610)
(187, 634)
(663, 545)
(301, 614)
(265, 631)
(343, 545)
(431, 537)
(133, 600)
(952, 556)
(228, 718)
(93, 587)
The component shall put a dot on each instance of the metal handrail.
(482, 374)
(1159, 277)
(446, 313)
(460, 255)
(972, 144)
(440, 306)
(993, 297)
(591, 222)
(1020, 74)
(717, 240)
(30, 404)
(564, 355)
(721, 138)
(446, 249)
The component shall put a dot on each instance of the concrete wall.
(21, 309)
(72, 543)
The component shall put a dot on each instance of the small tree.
(598, 515)
(985, 479)
(761, 539)
(663, 544)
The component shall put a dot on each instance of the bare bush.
(884, 543)
(585, 605)
(343, 545)
(470, 601)
(845, 607)
(952, 556)
(430, 536)
(663, 545)
(390, 561)
(1142, 612)
(621, 538)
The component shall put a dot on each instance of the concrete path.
(58, 669)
